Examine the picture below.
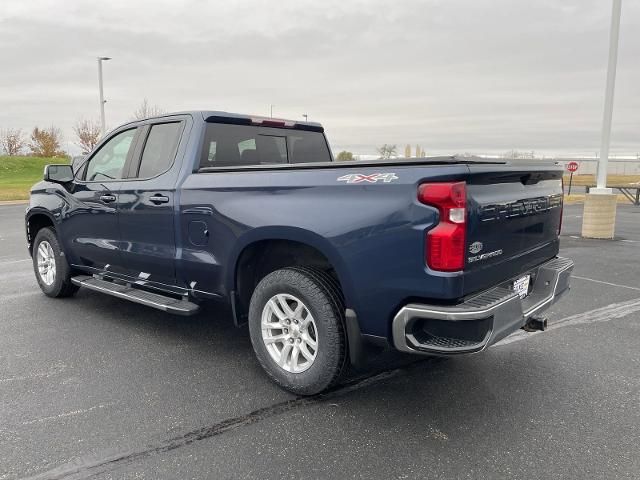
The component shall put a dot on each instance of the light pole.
(608, 99)
(271, 110)
(102, 100)
(599, 214)
(306, 117)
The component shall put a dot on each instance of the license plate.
(521, 286)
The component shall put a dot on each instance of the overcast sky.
(452, 75)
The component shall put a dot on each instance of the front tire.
(52, 270)
(296, 322)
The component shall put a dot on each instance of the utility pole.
(306, 117)
(271, 111)
(103, 125)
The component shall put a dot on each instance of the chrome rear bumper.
(481, 320)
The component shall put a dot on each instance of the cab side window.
(108, 163)
(159, 149)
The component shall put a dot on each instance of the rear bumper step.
(150, 299)
(482, 320)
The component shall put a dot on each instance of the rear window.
(242, 145)
(159, 149)
(306, 147)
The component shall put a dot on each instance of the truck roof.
(220, 116)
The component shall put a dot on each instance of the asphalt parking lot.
(98, 387)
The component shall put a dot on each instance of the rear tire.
(50, 265)
(296, 322)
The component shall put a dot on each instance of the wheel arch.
(35, 221)
(269, 249)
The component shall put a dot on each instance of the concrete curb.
(13, 202)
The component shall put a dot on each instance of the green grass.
(579, 198)
(18, 174)
(612, 179)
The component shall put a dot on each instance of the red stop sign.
(572, 166)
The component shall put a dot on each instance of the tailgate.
(513, 223)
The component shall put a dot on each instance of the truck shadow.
(213, 338)
(211, 334)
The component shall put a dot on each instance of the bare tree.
(88, 133)
(517, 154)
(387, 151)
(12, 141)
(45, 142)
(145, 111)
(344, 156)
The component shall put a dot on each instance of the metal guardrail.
(626, 189)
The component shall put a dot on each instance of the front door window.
(108, 163)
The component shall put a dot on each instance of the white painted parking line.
(15, 261)
(66, 414)
(9, 257)
(55, 370)
(603, 314)
(12, 276)
(19, 295)
(605, 283)
(625, 240)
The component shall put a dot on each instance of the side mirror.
(58, 173)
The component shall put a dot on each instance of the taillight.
(445, 243)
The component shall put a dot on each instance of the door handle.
(158, 199)
(108, 198)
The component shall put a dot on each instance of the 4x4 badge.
(372, 178)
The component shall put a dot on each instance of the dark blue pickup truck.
(324, 260)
